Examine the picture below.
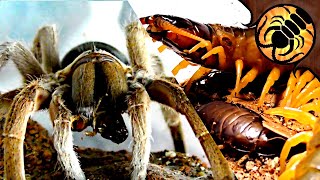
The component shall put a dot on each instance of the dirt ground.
(41, 162)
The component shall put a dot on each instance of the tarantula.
(92, 88)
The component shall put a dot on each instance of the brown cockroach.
(214, 46)
(239, 128)
(234, 125)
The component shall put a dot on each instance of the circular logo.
(285, 34)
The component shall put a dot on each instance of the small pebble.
(170, 154)
(202, 168)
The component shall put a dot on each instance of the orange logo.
(285, 34)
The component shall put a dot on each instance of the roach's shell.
(240, 128)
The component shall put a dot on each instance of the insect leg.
(312, 95)
(290, 87)
(222, 56)
(162, 48)
(45, 48)
(293, 113)
(306, 90)
(165, 25)
(239, 67)
(249, 77)
(306, 77)
(302, 137)
(291, 44)
(273, 76)
(312, 106)
(289, 172)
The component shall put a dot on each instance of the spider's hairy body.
(93, 89)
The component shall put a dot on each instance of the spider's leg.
(171, 117)
(139, 100)
(24, 60)
(45, 48)
(62, 119)
(138, 105)
(172, 95)
(23, 106)
(6, 100)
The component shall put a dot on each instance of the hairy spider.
(93, 88)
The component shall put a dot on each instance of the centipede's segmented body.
(214, 46)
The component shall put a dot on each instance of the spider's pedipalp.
(24, 60)
(23, 106)
(45, 48)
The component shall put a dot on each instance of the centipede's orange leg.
(293, 113)
(162, 48)
(306, 77)
(249, 77)
(290, 87)
(312, 106)
(312, 95)
(289, 172)
(239, 67)
(222, 56)
(195, 69)
(165, 25)
(302, 137)
(311, 86)
(273, 76)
